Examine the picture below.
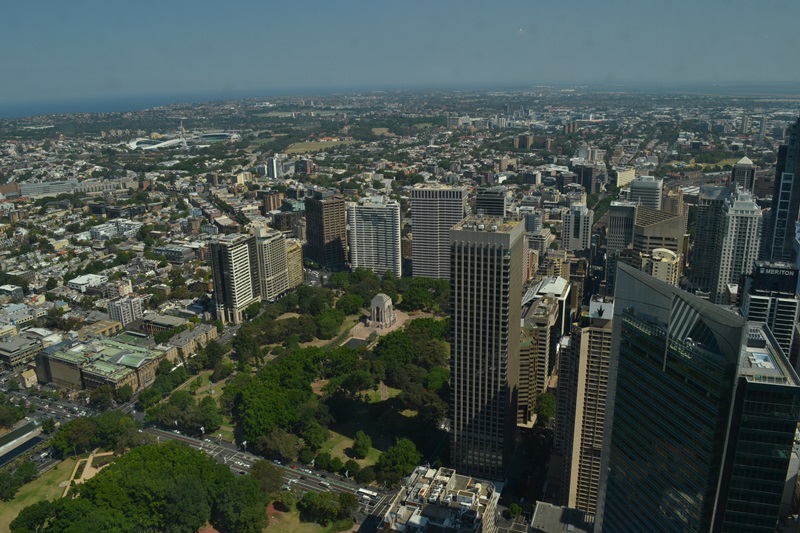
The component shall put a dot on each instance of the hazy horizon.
(84, 50)
(136, 102)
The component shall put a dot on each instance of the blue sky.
(57, 50)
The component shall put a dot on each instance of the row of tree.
(10, 413)
(12, 480)
(183, 411)
(168, 378)
(111, 430)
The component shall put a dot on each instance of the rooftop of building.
(108, 370)
(762, 360)
(646, 216)
(486, 224)
(438, 186)
(441, 500)
(550, 286)
(166, 321)
(105, 351)
(539, 308)
(647, 179)
(377, 201)
(17, 343)
(549, 518)
(88, 279)
(231, 238)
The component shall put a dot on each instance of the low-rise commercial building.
(153, 323)
(18, 351)
(187, 342)
(97, 362)
(82, 283)
(442, 500)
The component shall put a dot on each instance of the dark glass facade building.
(702, 410)
(766, 409)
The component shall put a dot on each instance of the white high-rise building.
(740, 239)
(434, 210)
(646, 190)
(374, 235)
(576, 234)
(273, 272)
(125, 309)
(234, 269)
(274, 168)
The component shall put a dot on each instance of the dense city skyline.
(91, 51)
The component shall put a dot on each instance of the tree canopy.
(163, 487)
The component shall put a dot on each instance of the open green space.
(314, 146)
(226, 429)
(45, 487)
(289, 522)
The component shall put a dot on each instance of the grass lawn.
(289, 522)
(45, 487)
(375, 395)
(423, 125)
(337, 445)
(380, 131)
(216, 387)
(314, 146)
(226, 429)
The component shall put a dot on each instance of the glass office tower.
(671, 384)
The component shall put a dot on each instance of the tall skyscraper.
(770, 296)
(785, 199)
(581, 405)
(274, 168)
(294, 263)
(576, 233)
(485, 302)
(125, 309)
(538, 344)
(756, 477)
(671, 381)
(740, 240)
(646, 190)
(374, 235)
(707, 243)
(702, 410)
(644, 233)
(744, 174)
(234, 269)
(273, 271)
(434, 210)
(491, 201)
(621, 219)
(326, 229)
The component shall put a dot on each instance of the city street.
(299, 478)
